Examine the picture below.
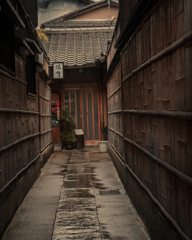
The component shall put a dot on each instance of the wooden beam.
(50, 130)
(180, 42)
(19, 173)
(166, 165)
(43, 149)
(7, 110)
(116, 90)
(158, 113)
(19, 141)
(118, 133)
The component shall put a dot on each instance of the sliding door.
(85, 104)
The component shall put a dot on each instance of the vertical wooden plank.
(90, 115)
(81, 109)
(87, 115)
(96, 116)
(76, 109)
(93, 116)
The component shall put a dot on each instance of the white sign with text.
(58, 72)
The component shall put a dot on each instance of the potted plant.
(68, 125)
(68, 138)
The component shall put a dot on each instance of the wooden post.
(93, 113)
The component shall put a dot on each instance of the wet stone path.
(93, 203)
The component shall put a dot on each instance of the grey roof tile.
(77, 47)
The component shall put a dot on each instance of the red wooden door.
(85, 104)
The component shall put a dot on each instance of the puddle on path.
(79, 168)
(77, 204)
(83, 181)
(78, 193)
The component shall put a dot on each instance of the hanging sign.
(58, 70)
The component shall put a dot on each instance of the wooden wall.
(25, 124)
(45, 115)
(150, 109)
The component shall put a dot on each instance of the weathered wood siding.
(115, 123)
(150, 108)
(45, 115)
(113, 50)
(25, 123)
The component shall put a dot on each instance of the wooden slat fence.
(150, 109)
(25, 123)
(45, 115)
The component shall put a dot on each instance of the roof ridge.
(69, 24)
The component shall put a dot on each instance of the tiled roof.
(80, 24)
(77, 46)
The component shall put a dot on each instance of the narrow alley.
(78, 196)
(79, 74)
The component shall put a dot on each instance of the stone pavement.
(78, 196)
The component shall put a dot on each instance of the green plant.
(67, 119)
(67, 125)
(68, 137)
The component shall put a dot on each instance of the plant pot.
(103, 146)
(69, 145)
